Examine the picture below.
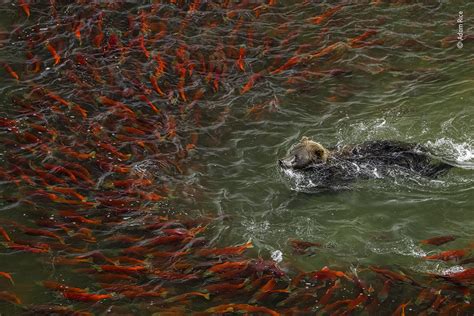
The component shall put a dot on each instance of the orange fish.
(448, 255)
(355, 41)
(124, 259)
(77, 31)
(240, 62)
(400, 311)
(131, 182)
(124, 239)
(98, 39)
(122, 269)
(215, 82)
(43, 129)
(302, 247)
(11, 71)
(9, 297)
(290, 63)
(235, 250)
(199, 94)
(116, 104)
(82, 156)
(181, 82)
(361, 299)
(97, 256)
(425, 296)
(41, 232)
(113, 277)
(55, 286)
(53, 52)
(144, 27)
(155, 86)
(7, 276)
(165, 240)
(110, 148)
(230, 308)
(253, 78)
(336, 305)
(85, 297)
(80, 219)
(26, 248)
(194, 6)
(60, 169)
(67, 191)
(170, 275)
(5, 234)
(161, 65)
(338, 46)
(264, 291)
(437, 241)
(393, 275)
(133, 130)
(147, 101)
(232, 265)
(383, 294)
(329, 293)
(79, 109)
(141, 43)
(57, 98)
(326, 15)
(466, 275)
(328, 274)
(27, 179)
(70, 261)
(121, 168)
(186, 295)
(79, 171)
(150, 196)
(224, 287)
(25, 7)
(47, 177)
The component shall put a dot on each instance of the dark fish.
(437, 241)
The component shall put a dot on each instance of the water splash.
(461, 152)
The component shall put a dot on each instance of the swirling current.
(139, 147)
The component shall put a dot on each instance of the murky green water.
(412, 84)
(410, 90)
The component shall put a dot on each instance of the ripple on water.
(405, 247)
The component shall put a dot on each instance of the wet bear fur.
(371, 159)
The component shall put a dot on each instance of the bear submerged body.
(373, 159)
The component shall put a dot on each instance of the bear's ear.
(321, 153)
(318, 152)
(304, 139)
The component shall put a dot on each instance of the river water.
(411, 89)
(407, 81)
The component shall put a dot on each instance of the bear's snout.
(286, 163)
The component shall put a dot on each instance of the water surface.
(212, 140)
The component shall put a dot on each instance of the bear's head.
(303, 154)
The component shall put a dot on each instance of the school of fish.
(104, 109)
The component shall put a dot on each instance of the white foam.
(451, 270)
(298, 181)
(405, 247)
(277, 256)
(460, 152)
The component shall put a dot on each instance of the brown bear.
(371, 159)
